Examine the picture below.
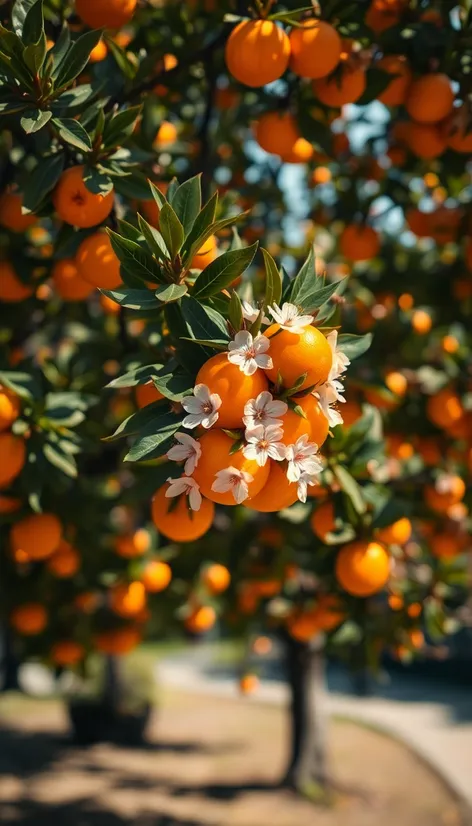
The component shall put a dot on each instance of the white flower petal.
(195, 499)
(240, 491)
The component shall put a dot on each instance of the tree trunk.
(112, 683)
(9, 667)
(308, 766)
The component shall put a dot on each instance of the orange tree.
(235, 363)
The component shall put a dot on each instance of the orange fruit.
(248, 683)
(97, 262)
(147, 394)
(233, 387)
(323, 520)
(9, 504)
(11, 288)
(99, 52)
(67, 652)
(315, 425)
(86, 602)
(38, 535)
(396, 383)
(76, 205)
(362, 568)
(395, 602)
(315, 49)
(11, 216)
(65, 561)
(396, 91)
(9, 407)
(128, 598)
(396, 534)
(69, 285)
(180, 524)
(118, 641)
(156, 576)
(421, 322)
(359, 243)
(301, 152)
(166, 135)
(444, 409)
(351, 412)
(294, 354)
(321, 175)
(429, 451)
(340, 90)
(277, 132)
(426, 141)
(441, 500)
(383, 14)
(216, 456)
(205, 255)
(201, 619)
(430, 98)
(109, 306)
(29, 619)
(13, 453)
(107, 14)
(257, 52)
(414, 610)
(458, 131)
(134, 544)
(445, 546)
(278, 493)
(325, 616)
(216, 578)
(418, 222)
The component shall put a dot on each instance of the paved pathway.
(436, 721)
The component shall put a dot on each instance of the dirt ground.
(209, 762)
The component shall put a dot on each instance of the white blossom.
(302, 459)
(250, 313)
(188, 450)
(264, 443)
(340, 360)
(189, 487)
(328, 394)
(202, 407)
(289, 317)
(264, 410)
(302, 485)
(234, 480)
(249, 353)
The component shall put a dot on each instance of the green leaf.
(174, 386)
(273, 290)
(170, 292)
(137, 421)
(34, 119)
(23, 384)
(201, 229)
(141, 375)
(203, 322)
(154, 239)
(351, 488)
(187, 202)
(137, 262)
(222, 271)
(33, 26)
(34, 55)
(59, 51)
(354, 346)
(76, 58)
(133, 299)
(235, 312)
(171, 230)
(42, 180)
(120, 127)
(97, 181)
(158, 196)
(61, 460)
(126, 67)
(71, 131)
(19, 13)
(154, 438)
(377, 81)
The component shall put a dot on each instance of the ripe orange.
(396, 534)
(294, 354)
(107, 14)
(421, 322)
(69, 285)
(362, 568)
(11, 288)
(109, 306)
(315, 49)
(321, 175)
(67, 652)
(315, 426)
(65, 561)
(278, 493)
(441, 501)
(205, 255)
(166, 135)
(396, 383)
(86, 602)
(147, 394)
(76, 205)
(323, 521)
(325, 616)
(351, 412)
(216, 578)
(301, 152)
(13, 453)
(128, 598)
(277, 132)
(156, 576)
(248, 683)
(133, 544)
(396, 91)
(97, 262)
(395, 602)
(180, 524)
(426, 141)
(118, 641)
(99, 52)
(233, 387)
(383, 14)
(216, 456)
(11, 216)
(257, 52)
(444, 409)
(9, 407)
(359, 243)
(458, 132)
(29, 619)
(338, 91)
(430, 98)
(445, 545)
(38, 535)
(201, 619)
(9, 504)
